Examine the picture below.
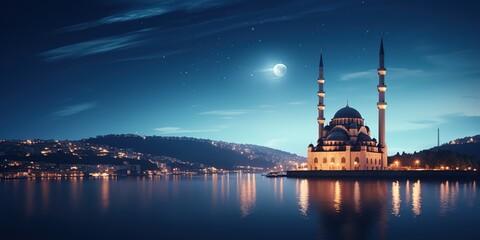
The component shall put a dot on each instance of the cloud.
(154, 9)
(422, 122)
(297, 103)
(96, 46)
(463, 58)
(356, 75)
(75, 109)
(177, 130)
(273, 143)
(170, 38)
(120, 17)
(471, 97)
(397, 73)
(236, 112)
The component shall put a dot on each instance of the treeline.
(435, 159)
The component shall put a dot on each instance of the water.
(237, 206)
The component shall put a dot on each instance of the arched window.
(375, 161)
(332, 160)
(366, 161)
(324, 160)
(315, 160)
(343, 160)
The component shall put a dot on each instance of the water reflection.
(348, 209)
(396, 198)
(302, 196)
(416, 198)
(448, 197)
(45, 191)
(356, 197)
(220, 184)
(105, 195)
(278, 188)
(337, 201)
(247, 191)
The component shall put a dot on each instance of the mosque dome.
(363, 137)
(347, 112)
(338, 135)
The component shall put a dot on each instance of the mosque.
(345, 143)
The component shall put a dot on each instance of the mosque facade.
(346, 142)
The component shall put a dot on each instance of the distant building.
(345, 143)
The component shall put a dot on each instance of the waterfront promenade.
(385, 174)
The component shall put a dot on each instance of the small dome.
(338, 135)
(363, 137)
(347, 112)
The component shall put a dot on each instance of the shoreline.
(384, 174)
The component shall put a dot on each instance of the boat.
(276, 174)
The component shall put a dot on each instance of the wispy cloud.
(297, 103)
(154, 9)
(356, 75)
(96, 46)
(177, 130)
(75, 109)
(463, 58)
(235, 112)
(120, 17)
(424, 122)
(173, 32)
(397, 73)
(471, 97)
(274, 143)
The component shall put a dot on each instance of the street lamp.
(417, 163)
(396, 164)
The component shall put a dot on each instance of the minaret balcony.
(321, 94)
(381, 105)
(321, 120)
(382, 88)
(321, 80)
(382, 71)
(321, 107)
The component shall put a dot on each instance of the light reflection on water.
(247, 193)
(302, 195)
(324, 209)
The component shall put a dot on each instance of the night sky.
(71, 70)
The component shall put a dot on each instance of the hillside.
(199, 151)
(466, 145)
(461, 153)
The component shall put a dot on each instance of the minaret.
(321, 95)
(381, 104)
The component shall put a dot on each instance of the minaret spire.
(381, 104)
(321, 95)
